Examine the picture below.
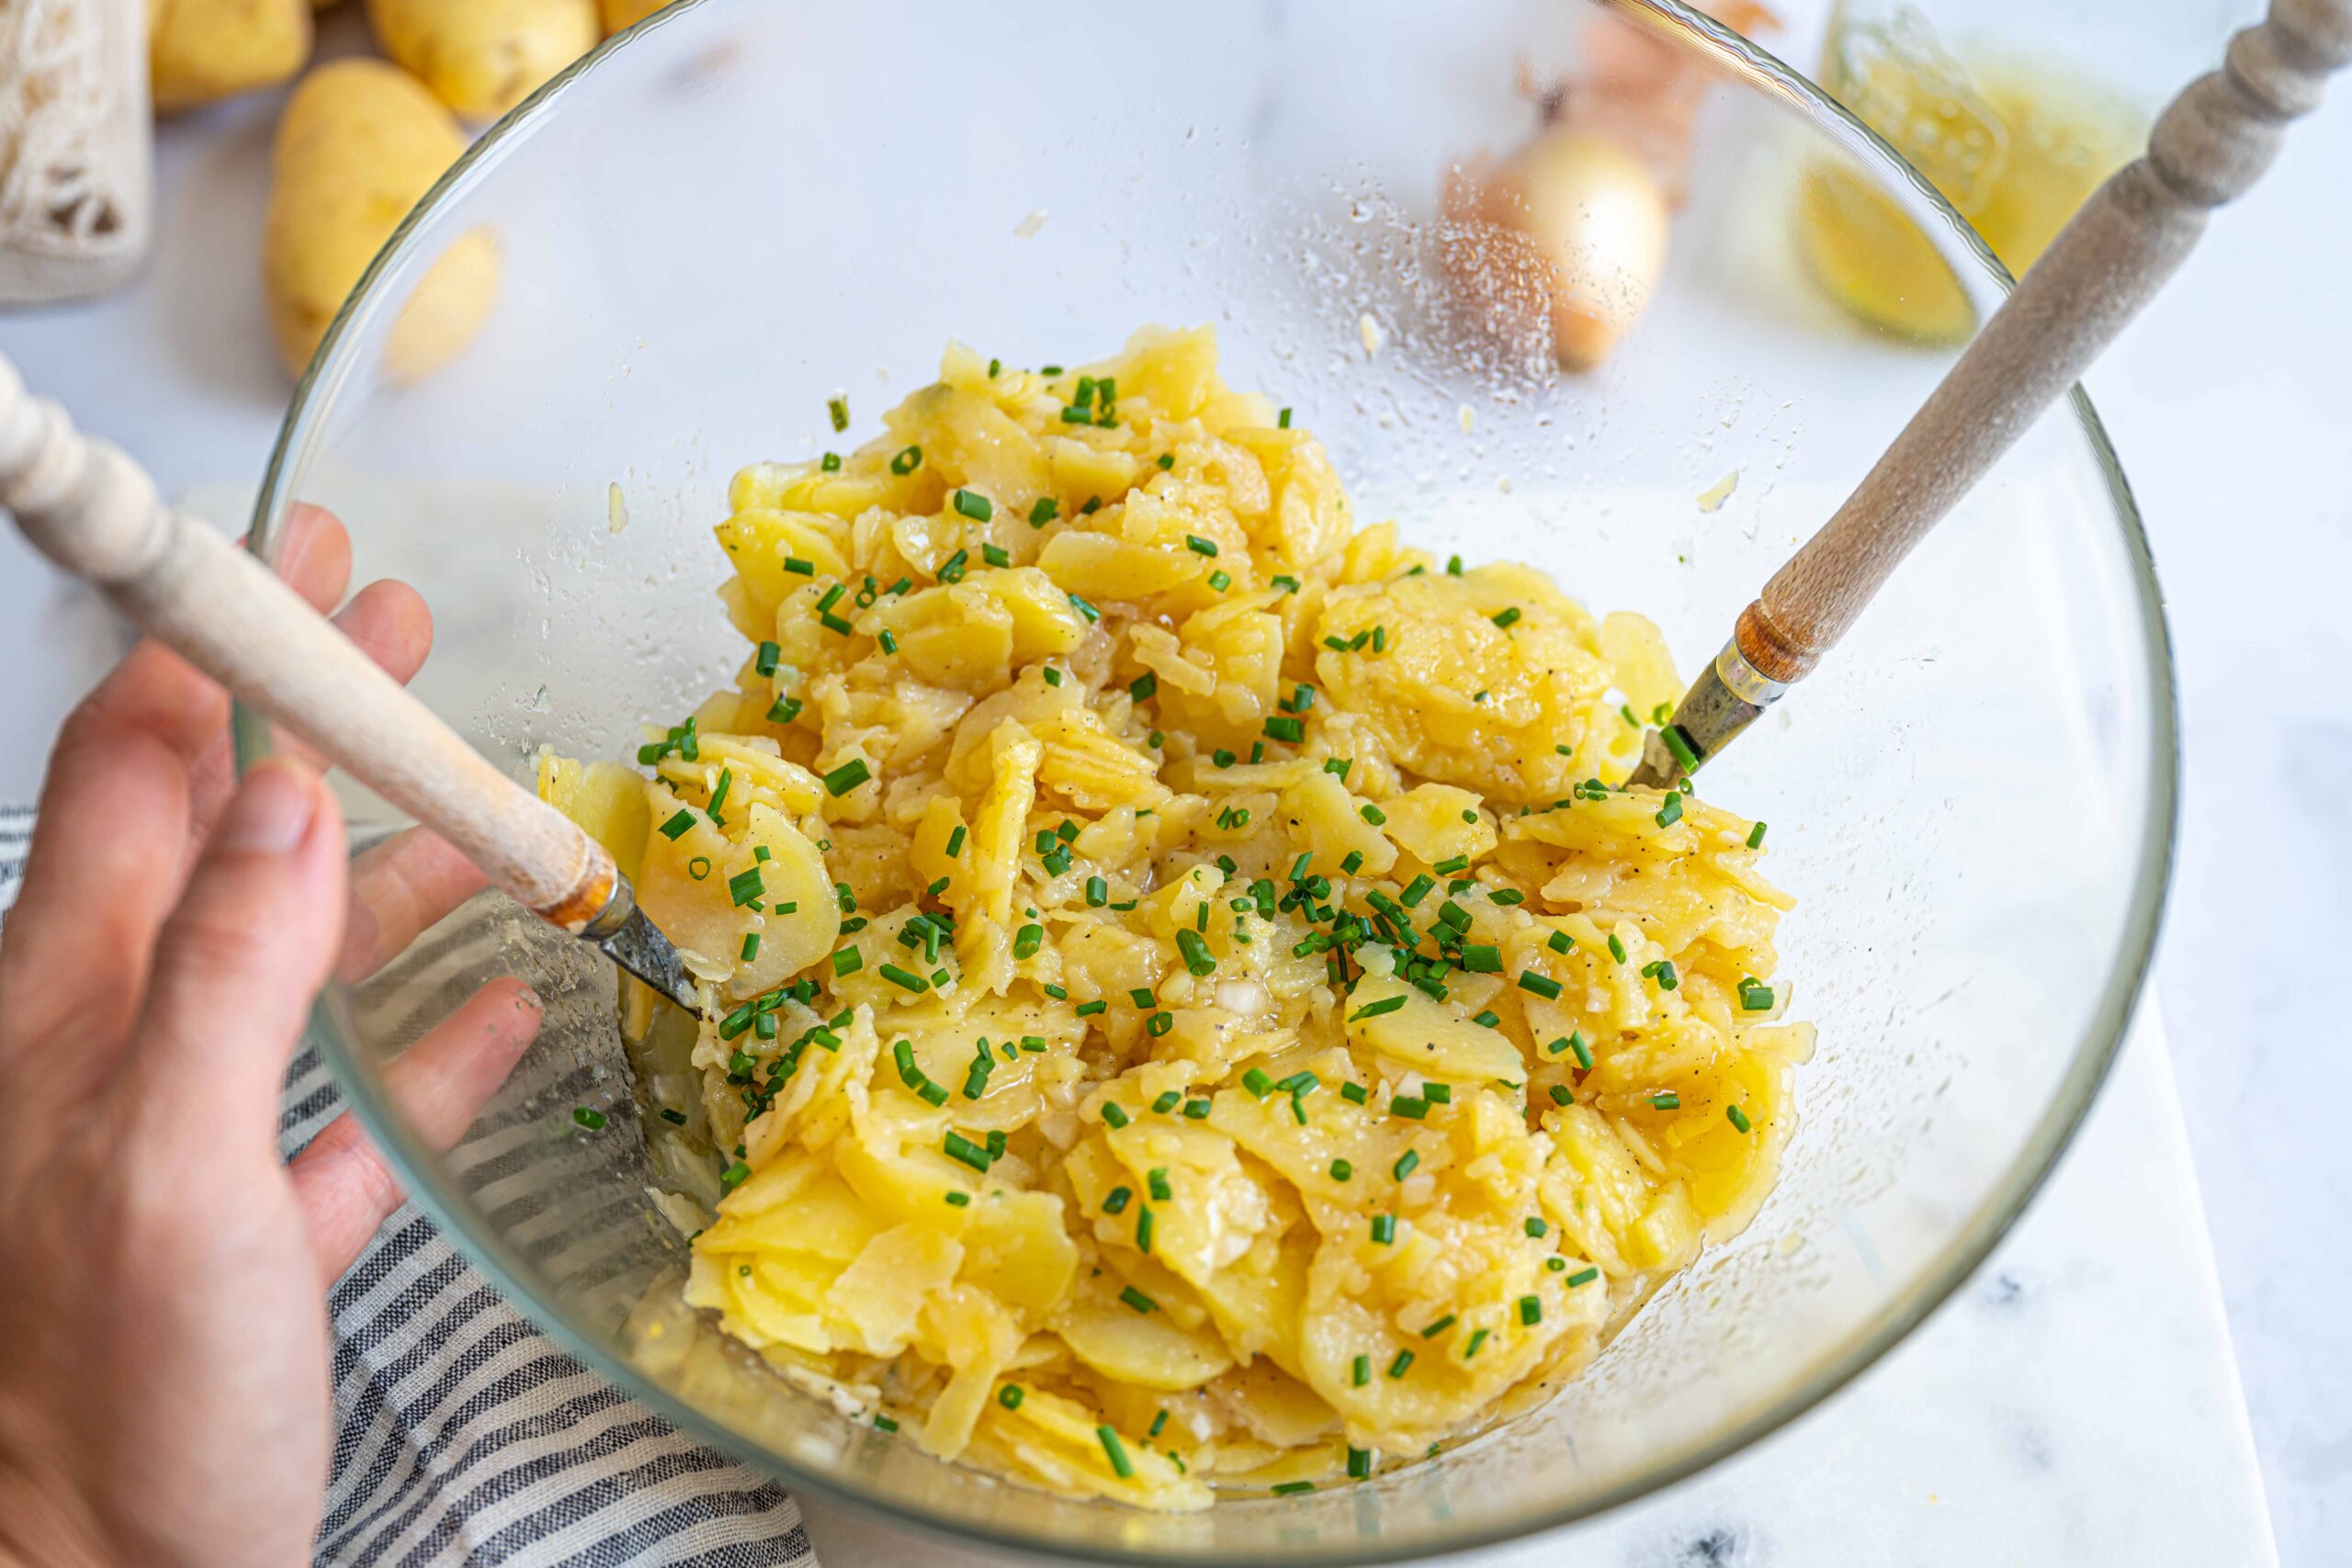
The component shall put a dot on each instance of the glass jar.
(2015, 112)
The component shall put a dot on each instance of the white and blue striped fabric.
(464, 1436)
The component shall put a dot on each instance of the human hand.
(164, 1348)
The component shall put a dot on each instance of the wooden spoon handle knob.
(2208, 148)
(90, 509)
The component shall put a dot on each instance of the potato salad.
(1191, 1006)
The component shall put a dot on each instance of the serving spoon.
(2208, 148)
(89, 508)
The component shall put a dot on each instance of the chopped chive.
(1383, 1229)
(1143, 1230)
(1121, 1465)
(1401, 1365)
(847, 777)
(1009, 1397)
(734, 1176)
(1197, 1110)
(1616, 948)
(1413, 1107)
(1360, 1371)
(1088, 1010)
(1289, 1488)
(1737, 1118)
(837, 408)
(1666, 1099)
(1197, 957)
(1117, 1115)
(1678, 742)
(1052, 676)
(1583, 1277)
(1359, 1465)
(1537, 1225)
(784, 710)
(1439, 1327)
(1561, 1095)
(744, 887)
(1376, 1010)
(830, 462)
(675, 827)
(750, 946)
(588, 1117)
(1418, 889)
(799, 568)
(1672, 812)
(1754, 995)
(1404, 1163)
(1354, 1093)
(1438, 1093)
(1166, 1103)
(1529, 980)
(1560, 941)
(1477, 1342)
(1530, 1309)
(1199, 545)
(1044, 511)
(1290, 730)
(974, 505)
(1257, 1081)
(1482, 959)
(698, 867)
(907, 462)
(1220, 580)
(1756, 836)
(1115, 1201)
(959, 1198)
(958, 1147)
(1137, 1299)
(903, 979)
(848, 961)
(1098, 892)
(1158, 1425)
(1505, 618)
(1371, 813)
(1342, 1170)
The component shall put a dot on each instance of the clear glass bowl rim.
(2000, 1209)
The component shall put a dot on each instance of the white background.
(2228, 405)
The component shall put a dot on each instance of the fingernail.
(272, 811)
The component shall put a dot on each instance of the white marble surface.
(2091, 1416)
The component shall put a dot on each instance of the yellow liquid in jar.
(2015, 148)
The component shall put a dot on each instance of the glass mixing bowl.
(734, 212)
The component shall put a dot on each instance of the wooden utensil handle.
(91, 510)
(2208, 148)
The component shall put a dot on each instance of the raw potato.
(483, 57)
(200, 51)
(619, 14)
(360, 142)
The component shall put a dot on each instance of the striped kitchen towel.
(466, 1435)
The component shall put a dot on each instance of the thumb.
(240, 960)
